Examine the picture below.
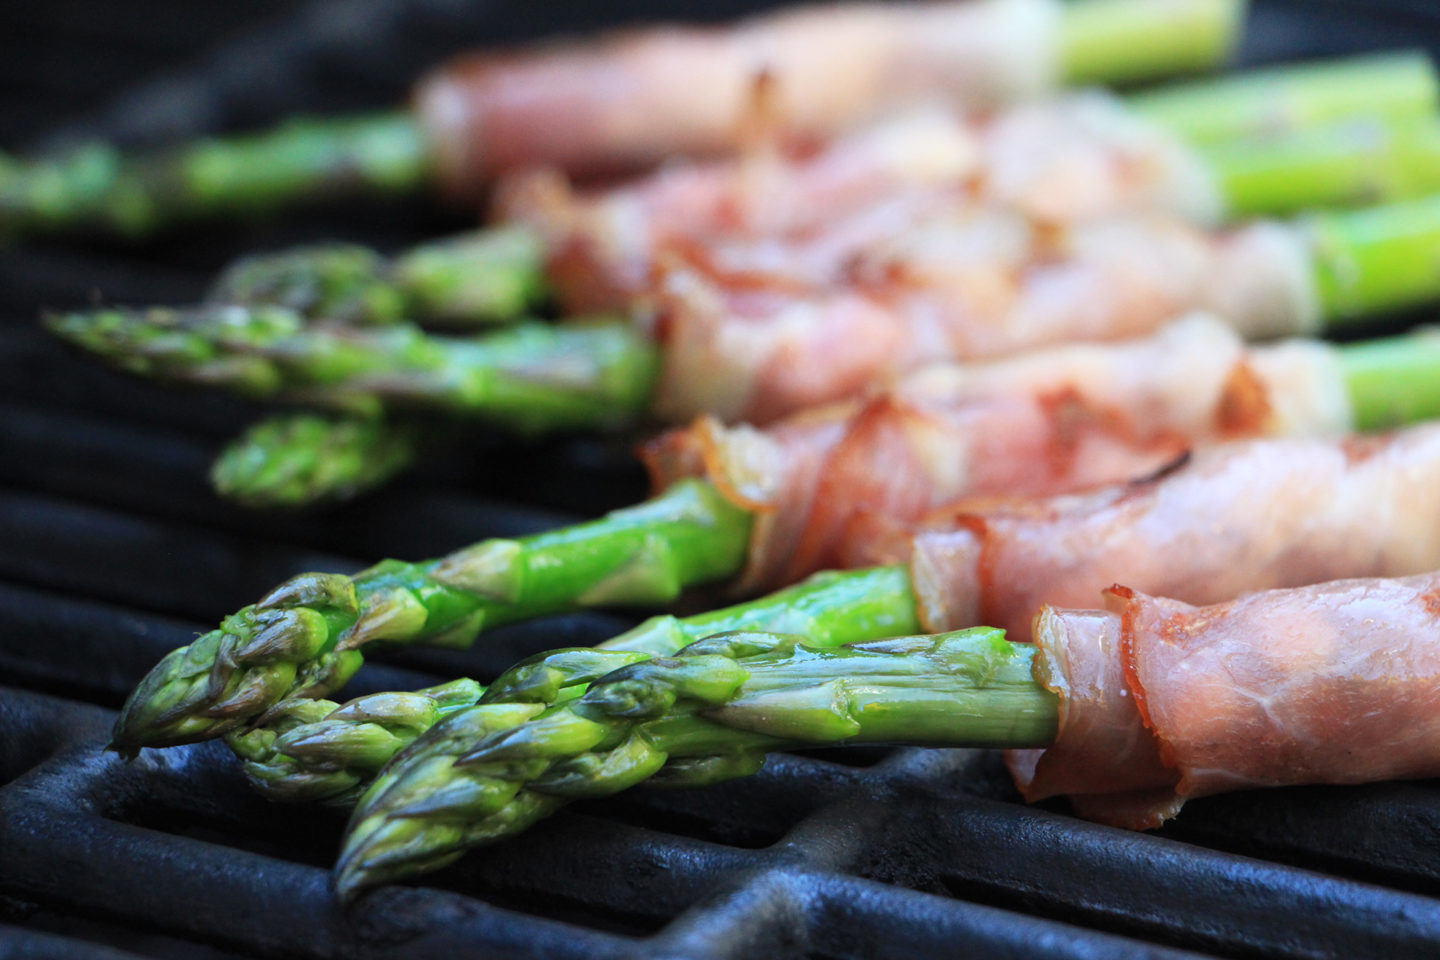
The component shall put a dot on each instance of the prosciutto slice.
(986, 284)
(1162, 701)
(639, 97)
(1051, 421)
(1257, 514)
(796, 220)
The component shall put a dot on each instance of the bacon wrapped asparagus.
(1139, 708)
(635, 99)
(966, 287)
(1302, 511)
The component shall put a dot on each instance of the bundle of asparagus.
(632, 101)
(1121, 727)
(1247, 515)
(297, 460)
(1058, 160)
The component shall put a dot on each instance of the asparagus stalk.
(533, 377)
(97, 187)
(708, 714)
(1392, 86)
(305, 637)
(315, 751)
(484, 277)
(297, 460)
(1360, 161)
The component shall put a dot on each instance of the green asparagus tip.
(337, 281)
(295, 461)
(313, 751)
(281, 646)
(204, 344)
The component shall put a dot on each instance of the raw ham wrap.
(639, 97)
(1055, 420)
(1257, 514)
(1162, 701)
(983, 285)
(797, 220)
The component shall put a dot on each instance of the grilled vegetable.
(474, 279)
(302, 459)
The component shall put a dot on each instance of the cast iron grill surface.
(113, 551)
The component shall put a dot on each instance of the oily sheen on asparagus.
(631, 100)
(1238, 516)
(1139, 707)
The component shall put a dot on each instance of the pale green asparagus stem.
(1292, 97)
(312, 751)
(1114, 41)
(710, 713)
(532, 377)
(1392, 381)
(300, 460)
(1357, 162)
(485, 277)
(1373, 260)
(100, 188)
(305, 638)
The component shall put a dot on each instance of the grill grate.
(113, 551)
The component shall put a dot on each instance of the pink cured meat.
(1255, 514)
(788, 219)
(634, 99)
(1162, 701)
(1055, 420)
(986, 285)
(797, 221)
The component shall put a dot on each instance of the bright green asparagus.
(100, 188)
(710, 713)
(533, 377)
(315, 751)
(485, 277)
(305, 637)
(297, 460)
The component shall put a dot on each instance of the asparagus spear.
(534, 377)
(296, 460)
(316, 751)
(98, 187)
(305, 637)
(708, 714)
(539, 376)
(483, 277)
